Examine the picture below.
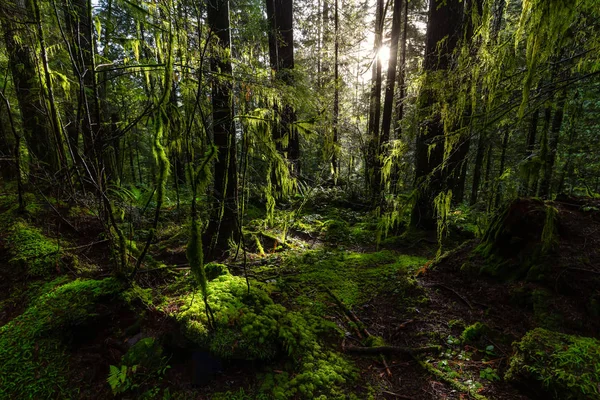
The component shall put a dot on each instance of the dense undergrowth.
(310, 274)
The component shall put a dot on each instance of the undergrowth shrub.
(142, 367)
(565, 366)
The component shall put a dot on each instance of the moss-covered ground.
(320, 304)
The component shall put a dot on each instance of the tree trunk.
(402, 72)
(281, 54)
(336, 97)
(223, 224)
(529, 152)
(388, 103)
(375, 103)
(477, 169)
(502, 163)
(27, 85)
(548, 163)
(443, 32)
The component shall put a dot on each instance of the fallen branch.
(392, 350)
(452, 382)
(348, 312)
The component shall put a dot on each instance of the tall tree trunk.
(443, 32)
(281, 54)
(21, 56)
(223, 224)
(402, 72)
(375, 102)
(336, 97)
(501, 171)
(477, 169)
(548, 163)
(529, 152)
(55, 123)
(388, 103)
(456, 164)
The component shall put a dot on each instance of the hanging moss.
(563, 366)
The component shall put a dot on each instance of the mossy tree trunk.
(443, 33)
(223, 224)
(21, 56)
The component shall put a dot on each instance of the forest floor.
(404, 324)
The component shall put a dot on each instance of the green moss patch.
(33, 362)
(355, 277)
(250, 326)
(32, 251)
(564, 366)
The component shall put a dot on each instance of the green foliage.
(489, 374)
(32, 251)
(33, 363)
(473, 333)
(565, 366)
(143, 365)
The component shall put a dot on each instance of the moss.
(336, 231)
(374, 341)
(564, 366)
(32, 251)
(355, 277)
(214, 270)
(252, 327)
(474, 332)
(33, 363)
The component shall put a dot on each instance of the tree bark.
(223, 224)
(443, 32)
(388, 103)
(281, 54)
(375, 103)
(26, 82)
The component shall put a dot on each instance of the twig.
(86, 245)
(400, 396)
(455, 293)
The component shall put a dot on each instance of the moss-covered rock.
(33, 362)
(250, 326)
(563, 366)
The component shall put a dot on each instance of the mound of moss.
(31, 251)
(564, 366)
(33, 362)
(250, 326)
